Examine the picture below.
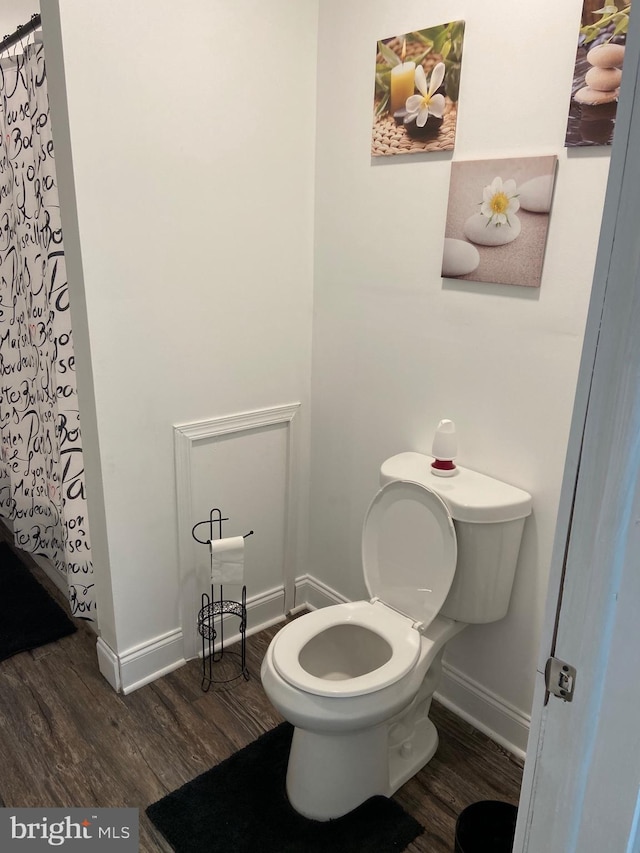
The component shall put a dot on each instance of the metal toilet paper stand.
(213, 609)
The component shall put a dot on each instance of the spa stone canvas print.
(597, 73)
(498, 219)
(417, 82)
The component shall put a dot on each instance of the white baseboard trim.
(484, 710)
(313, 594)
(148, 661)
(263, 610)
(108, 664)
(141, 664)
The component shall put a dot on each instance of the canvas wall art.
(598, 72)
(417, 82)
(498, 219)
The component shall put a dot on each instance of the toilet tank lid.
(469, 496)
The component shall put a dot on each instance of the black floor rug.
(29, 617)
(241, 806)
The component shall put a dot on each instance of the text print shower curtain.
(41, 469)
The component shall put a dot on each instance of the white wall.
(396, 348)
(191, 129)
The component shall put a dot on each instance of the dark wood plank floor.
(66, 739)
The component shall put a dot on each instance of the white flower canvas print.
(597, 73)
(498, 220)
(417, 84)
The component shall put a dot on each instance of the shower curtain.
(42, 489)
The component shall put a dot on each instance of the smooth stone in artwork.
(593, 97)
(458, 258)
(535, 194)
(431, 128)
(606, 56)
(479, 230)
(603, 79)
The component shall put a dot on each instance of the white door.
(582, 774)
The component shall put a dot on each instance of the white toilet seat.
(392, 627)
(416, 582)
(405, 596)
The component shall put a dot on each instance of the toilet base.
(413, 738)
(404, 763)
(347, 769)
(350, 768)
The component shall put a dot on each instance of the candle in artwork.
(402, 82)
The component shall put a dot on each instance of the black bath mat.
(241, 806)
(29, 617)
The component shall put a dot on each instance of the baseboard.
(484, 710)
(148, 661)
(263, 611)
(312, 594)
(108, 664)
(142, 664)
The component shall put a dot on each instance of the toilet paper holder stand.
(213, 609)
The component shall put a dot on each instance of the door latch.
(560, 678)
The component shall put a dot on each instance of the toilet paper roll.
(227, 560)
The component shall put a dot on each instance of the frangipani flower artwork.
(417, 84)
(418, 108)
(498, 219)
(500, 201)
(598, 72)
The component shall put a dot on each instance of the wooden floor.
(66, 739)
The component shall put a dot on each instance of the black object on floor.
(241, 805)
(486, 827)
(29, 617)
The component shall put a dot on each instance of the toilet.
(356, 679)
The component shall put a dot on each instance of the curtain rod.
(20, 33)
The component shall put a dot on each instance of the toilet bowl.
(356, 679)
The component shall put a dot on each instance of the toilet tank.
(488, 517)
